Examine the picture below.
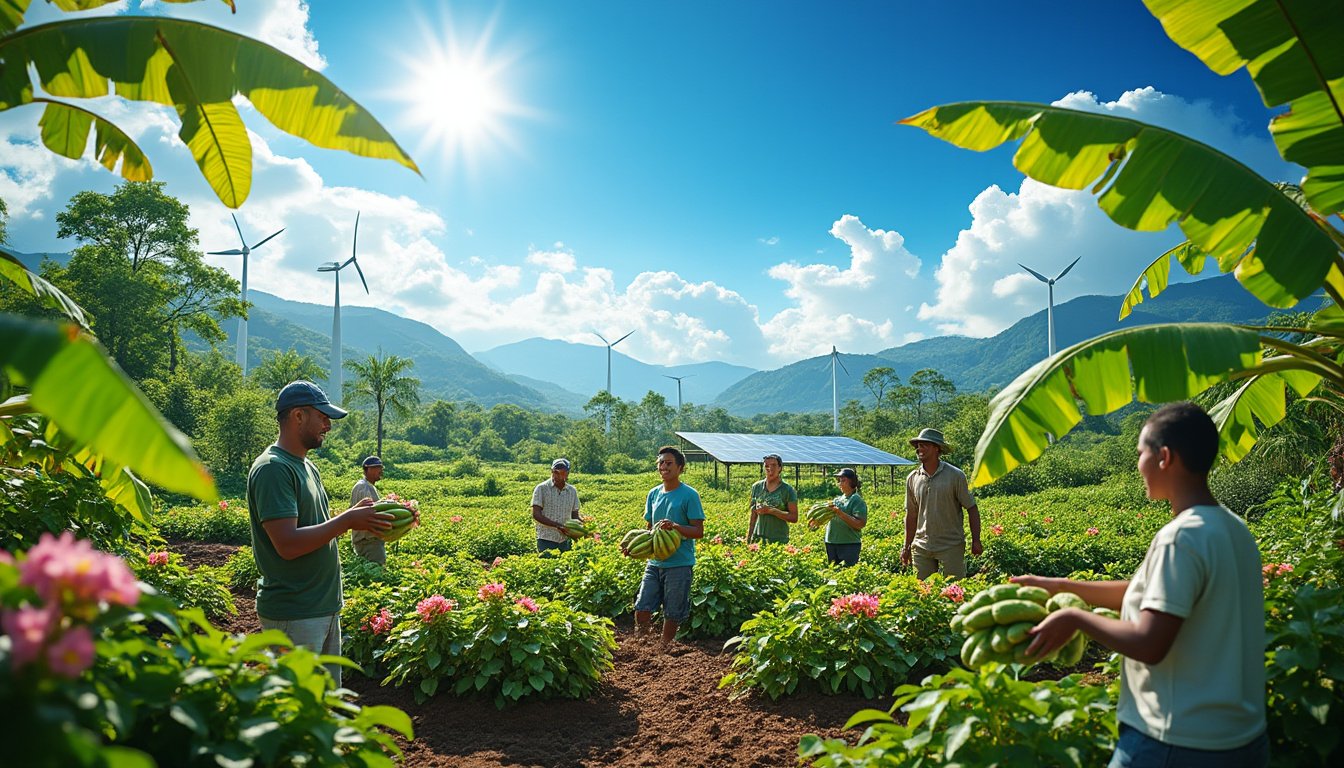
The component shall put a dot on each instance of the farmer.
(935, 494)
(554, 502)
(1192, 617)
(849, 516)
(293, 534)
(368, 545)
(774, 504)
(667, 583)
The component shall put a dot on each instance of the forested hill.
(978, 364)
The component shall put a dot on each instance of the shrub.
(467, 466)
(203, 587)
(222, 523)
(623, 464)
(240, 570)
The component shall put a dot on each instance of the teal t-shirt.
(837, 532)
(281, 485)
(769, 527)
(681, 506)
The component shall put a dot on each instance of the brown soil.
(652, 709)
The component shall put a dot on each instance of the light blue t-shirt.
(681, 506)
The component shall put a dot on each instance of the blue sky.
(725, 178)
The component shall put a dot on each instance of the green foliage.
(381, 381)
(223, 523)
(238, 427)
(501, 648)
(979, 718)
(202, 587)
(621, 464)
(283, 366)
(240, 570)
(34, 501)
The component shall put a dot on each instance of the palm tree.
(379, 380)
(279, 368)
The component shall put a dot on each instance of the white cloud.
(280, 23)
(557, 259)
(772, 240)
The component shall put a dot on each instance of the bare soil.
(652, 709)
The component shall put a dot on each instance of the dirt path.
(651, 710)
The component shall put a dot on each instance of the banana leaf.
(1292, 50)
(1157, 275)
(1148, 178)
(65, 131)
(49, 295)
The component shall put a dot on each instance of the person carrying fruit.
(293, 533)
(935, 494)
(1192, 617)
(848, 514)
(367, 544)
(774, 504)
(672, 506)
(553, 503)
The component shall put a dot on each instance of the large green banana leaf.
(1156, 364)
(1294, 51)
(196, 69)
(72, 381)
(1147, 178)
(65, 131)
(14, 271)
(1158, 274)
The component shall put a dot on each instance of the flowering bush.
(202, 587)
(503, 648)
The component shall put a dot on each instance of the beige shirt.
(363, 490)
(557, 505)
(938, 500)
(1209, 691)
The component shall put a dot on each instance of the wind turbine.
(336, 381)
(610, 344)
(1050, 308)
(678, 380)
(835, 391)
(242, 321)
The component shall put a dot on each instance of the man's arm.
(973, 517)
(1146, 641)
(292, 542)
(692, 530)
(542, 520)
(1106, 594)
(911, 521)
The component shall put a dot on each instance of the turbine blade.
(623, 338)
(354, 242)
(234, 252)
(361, 275)
(842, 364)
(267, 240)
(1066, 269)
(1034, 273)
(241, 239)
(603, 338)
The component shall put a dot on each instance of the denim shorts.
(546, 545)
(1137, 749)
(843, 554)
(669, 588)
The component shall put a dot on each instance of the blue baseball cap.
(298, 393)
(373, 461)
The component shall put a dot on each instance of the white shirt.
(557, 505)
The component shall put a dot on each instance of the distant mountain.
(444, 369)
(582, 369)
(978, 364)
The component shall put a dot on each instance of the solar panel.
(732, 448)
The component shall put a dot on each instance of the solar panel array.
(732, 448)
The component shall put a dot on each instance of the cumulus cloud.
(280, 23)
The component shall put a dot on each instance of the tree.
(878, 380)
(928, 387)
(654, 420)
(4, 222)
(586, 447)
(379, 380)
(280, 368)
(238, 427)
(1276, 240)
(137, 221)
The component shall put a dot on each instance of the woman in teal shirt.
(851, 514)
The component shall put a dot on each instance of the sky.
(726, 179)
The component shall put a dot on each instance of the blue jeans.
(843, 554)
(1137, 749)
(546, 545)
(669, 588)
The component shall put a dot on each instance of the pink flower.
(741, 563)
(223, 505)
(72, 570)
(1139, 515)
(455, 519)
(491, 592)
(28, 629)
(807, 548)
(1023, 513)
(381, 622)
(497, 562)
(432, 606)
(954, 592)
(158, 558)
(597, 536)
(527, 604)
(858, 604)
(754, 547)
(718, 539)
(72, 654)
(997, 530)
(1049, 520)
(789, 548)
(1092, 531)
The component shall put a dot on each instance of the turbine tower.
(336, 381)
(835, 390)
(610, 344)
(242, 321)
(678, 380)
(1050, 308)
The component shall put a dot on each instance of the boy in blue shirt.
(667, 583)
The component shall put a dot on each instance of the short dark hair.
(280, 416)
(677, 455)
(774, 456)
(1188, 432)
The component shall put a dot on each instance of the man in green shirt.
(774, 504)
(293, 535)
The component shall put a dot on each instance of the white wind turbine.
(242, 321)
(678, 380)
(610, 344)
(1050, 308)
(835, 390)
(337, 380)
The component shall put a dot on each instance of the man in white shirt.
(1192, 618)
(368, 545)
(554, 502)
